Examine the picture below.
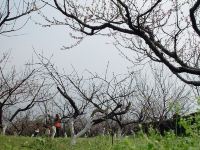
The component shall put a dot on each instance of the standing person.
(36, 131)
(57, 124)
(48, 124)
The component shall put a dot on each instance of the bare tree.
(157, 97)
(11, 11)
(10, 84)
(97, 98)
(160, 97)
(19, 91)
(164, 31)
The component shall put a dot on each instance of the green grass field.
(140, 142)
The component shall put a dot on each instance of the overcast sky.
(93, 53)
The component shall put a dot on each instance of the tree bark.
(1, 117)
(4, 128)
(119, 132)
(82, 132)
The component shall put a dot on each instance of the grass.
(139, 142)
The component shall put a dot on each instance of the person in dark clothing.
(49, 124)
(57, 124)
(36, 131)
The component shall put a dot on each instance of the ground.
(139, 142)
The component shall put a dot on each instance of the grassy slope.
(142, 142)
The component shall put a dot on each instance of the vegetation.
(142, 141)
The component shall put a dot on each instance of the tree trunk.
(1, 118)
(87, 127)
(71, 124)
(53, 131)
(4, 128)
(82, 132)
(119, 132)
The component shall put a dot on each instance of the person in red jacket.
(57, 124)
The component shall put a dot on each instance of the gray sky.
(92, 54)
